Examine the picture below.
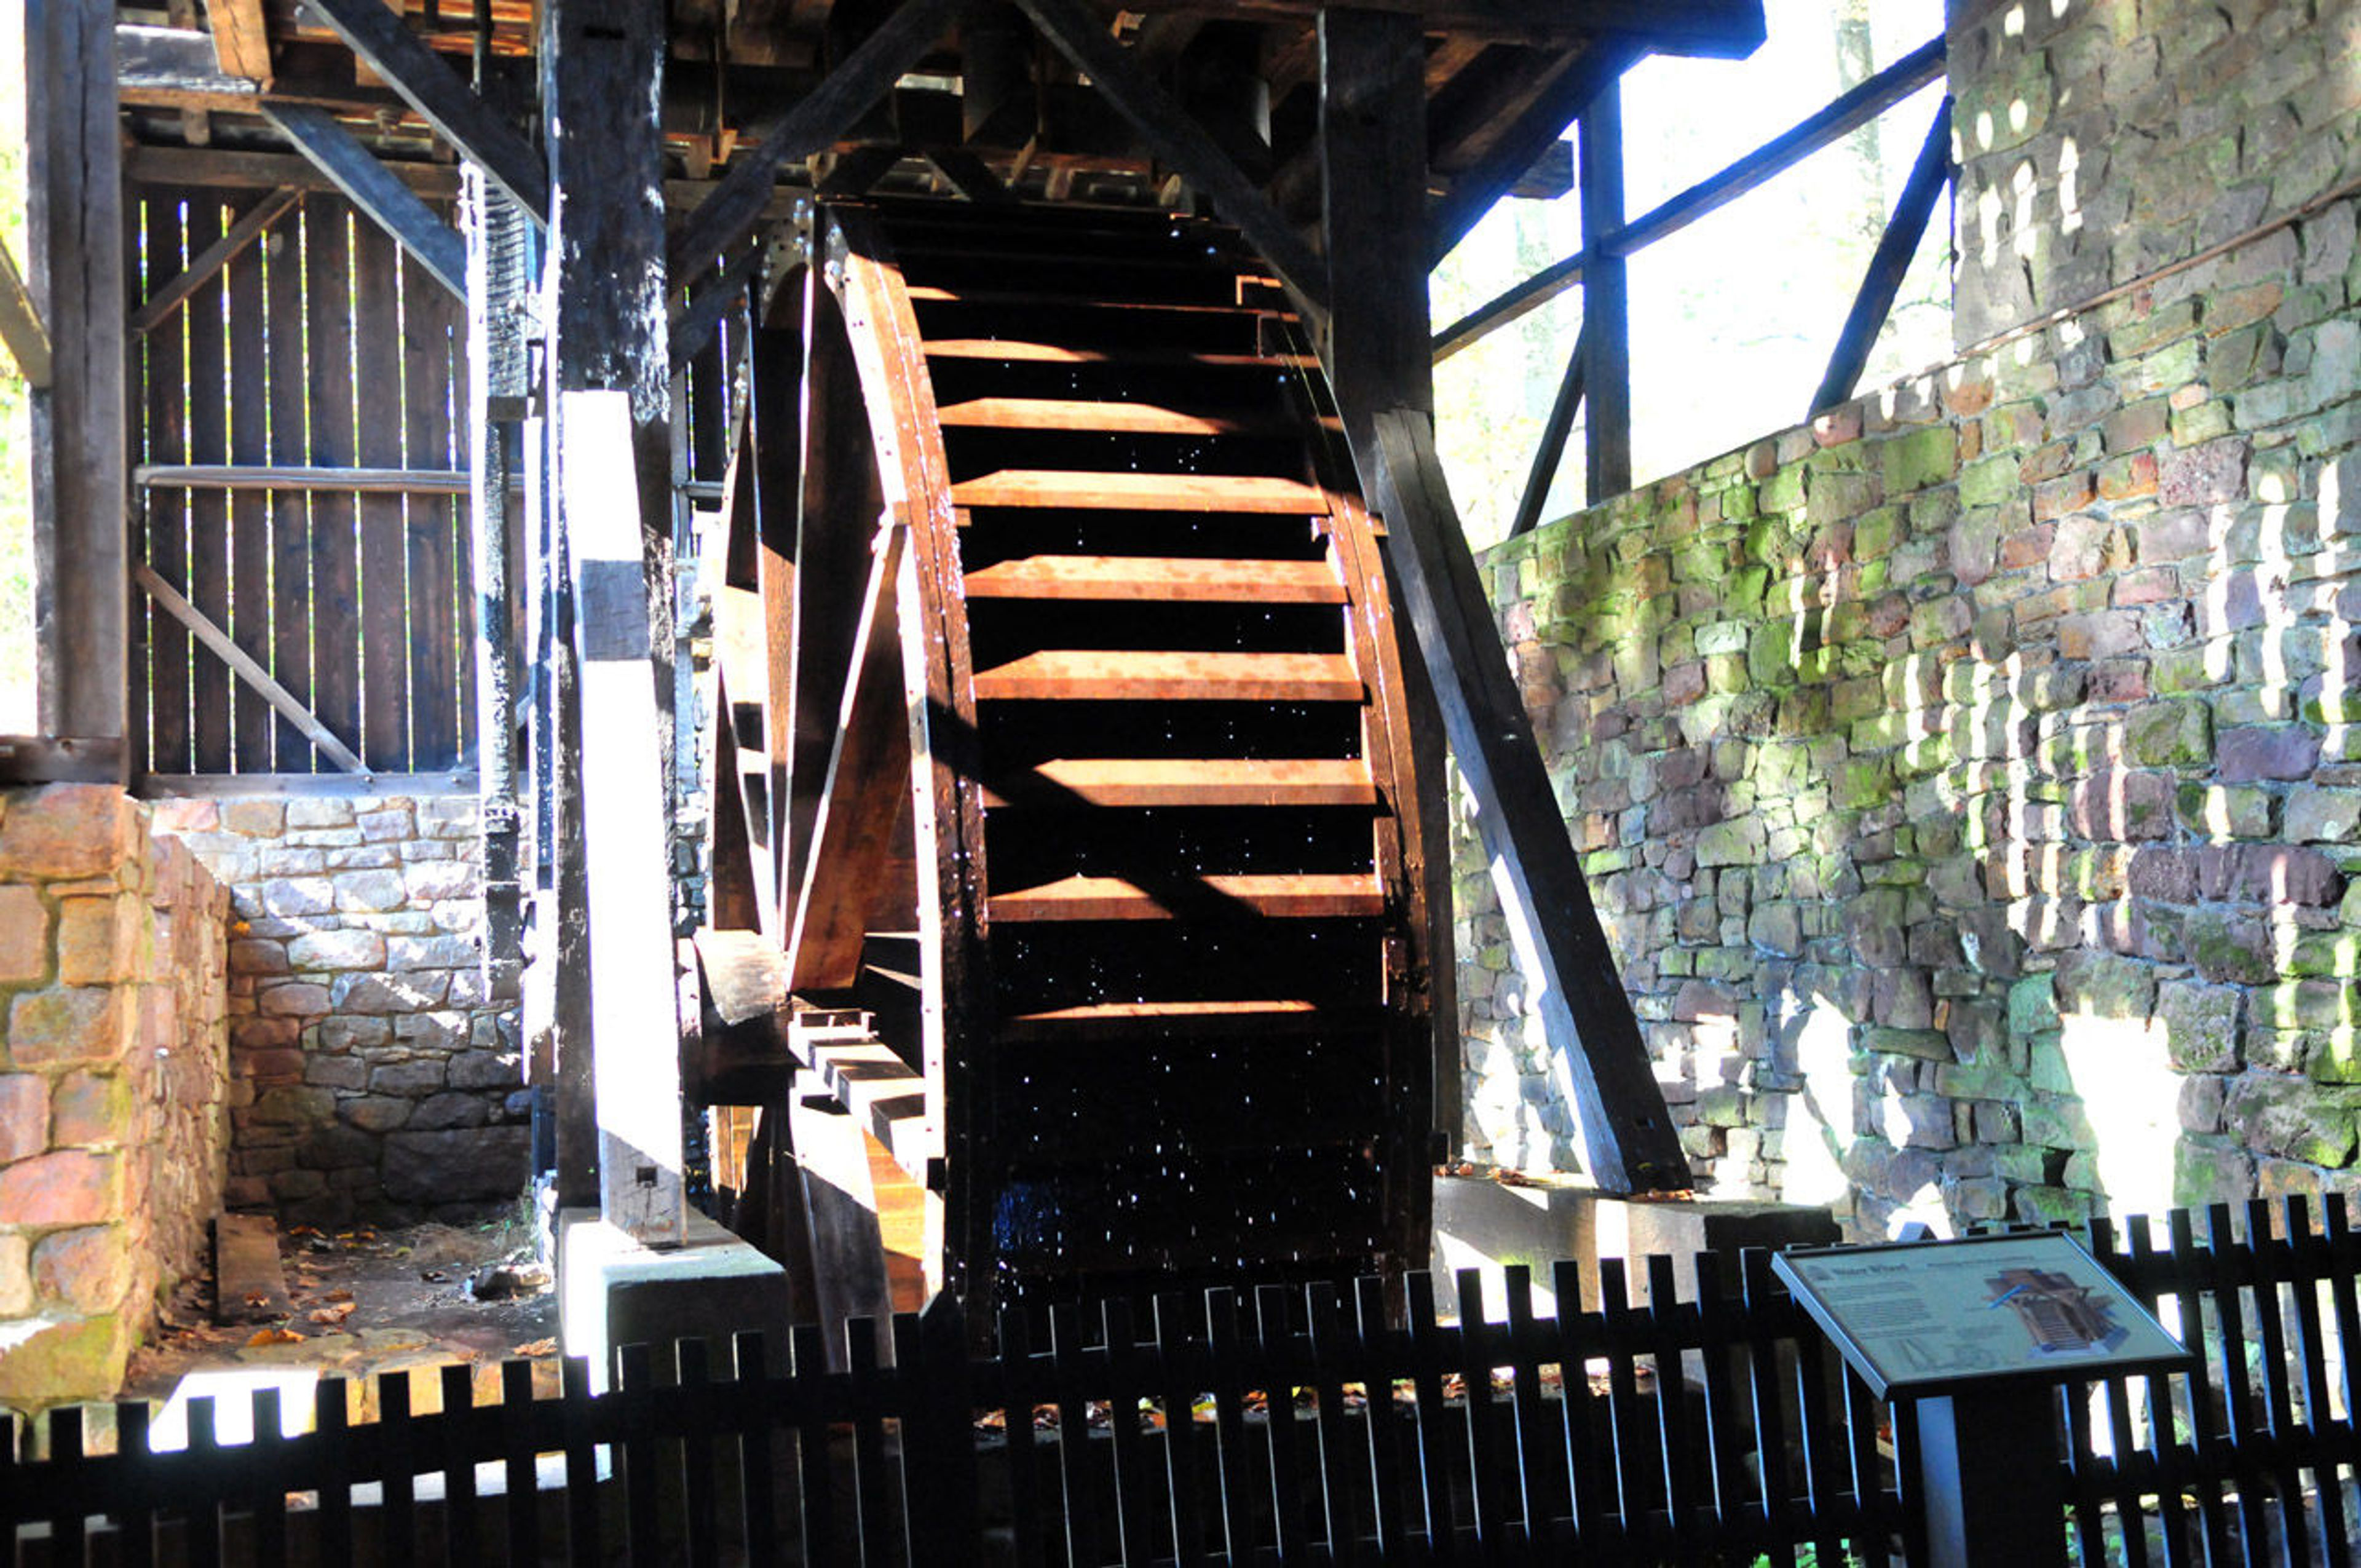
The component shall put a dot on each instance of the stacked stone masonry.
(1971, 779)
(374, 1076)
(2100, 140)
(113, 1072)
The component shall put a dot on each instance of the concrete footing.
(1488, 1224)
(613, 1292)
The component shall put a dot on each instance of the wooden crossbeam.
(730, 213)
(1882, 277)
(246, 668)
(242, 37)
(296, 476)
(215, 256)
(1552, 450)
(1177, 140)
(1628, 1141)
(20, 325)
(1840, 117)
(387, 46)
(377, 192)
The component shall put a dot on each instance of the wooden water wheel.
(1065, 737)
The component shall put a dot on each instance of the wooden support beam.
(20, 325)
(1882, 278)
(1373, 173)
(246, 668)
(864, 792)
(1552, 450)
(376, 192)
(241, 38)
(1475, 190)
(1840, 119)
(1629, 1142)
(497, 376)
(1606, 299)
(74, 264)
(1178, 141)
(380, 41)
(730, 213)
(169, 295)
(635, 1032)
(970, 176)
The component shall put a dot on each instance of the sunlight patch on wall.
(2131, 1099)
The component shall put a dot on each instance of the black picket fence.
(1283, 1424)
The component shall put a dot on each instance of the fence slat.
(1275, 1349)
(751, 1412)
(335, 561)
(434, 538)
(167, 512)
(267, 1465)
(384, 588)
(698, 1441)
(1589, 1434)
(1176, 1354)
(1229, 1423)
(1376, 1358)
(582, 1542)
(520, 1470)
(1491, 1457)
(203, 1518)
(1068, 1392)
(1680, 1451)
(1428, 1360)
(1023, 1448)
(2312, 1270)
(636, 1454)
(1336, 1434)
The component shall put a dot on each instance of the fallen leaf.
(335, 1314)
(535, 1347)
(340, 1294)
(257, 1298)
(301, 1231)
(273, 1336)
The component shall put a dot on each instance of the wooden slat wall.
(323, 347)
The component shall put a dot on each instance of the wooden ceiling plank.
(241, 39)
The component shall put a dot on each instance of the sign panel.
(1921, 1317)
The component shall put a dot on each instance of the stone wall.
(113, 1077)
(2102, 140)
(374, 1076)
(1971, 779)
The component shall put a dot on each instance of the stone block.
(295, 897)
(24, 935)
(2205, 475)
(70, 830)
(65, 1187)
(456, 1166)
(255, 818)
(337, 950)
(298, 1000)
(2284, 1116)
(369, 892)
(376, 1113)
(91, 1109)
(24, 1115)
(2258, 752)
(88, 1269)
(293, 1105)
(411, 1080)
(68, 1025)
(79, 1360)
(485, 1069)
(250, 956)
(451, 1108)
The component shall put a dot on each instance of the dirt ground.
(369, 1300)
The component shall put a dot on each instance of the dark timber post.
(1606, 300)
(605, 289)
(498, 242)
(74, 259)
(1373, 135)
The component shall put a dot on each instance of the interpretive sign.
(1919, 1318)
